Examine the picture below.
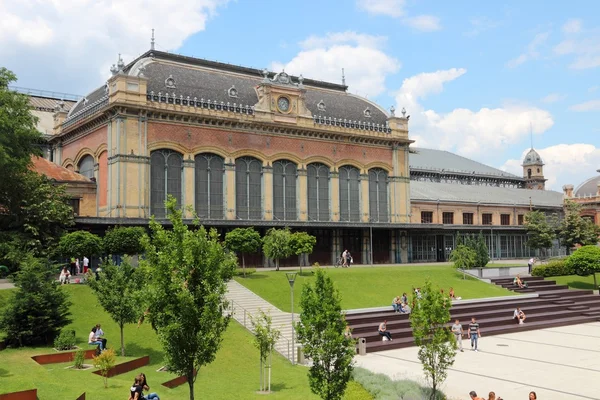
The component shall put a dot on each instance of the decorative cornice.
(129, 158)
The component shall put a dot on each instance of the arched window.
(318, 192)
(378, 195)
(166, 167)
(284, 190)
(86, 166)
(209, 170)
(529, 173)
(349, 193)
(248, 188)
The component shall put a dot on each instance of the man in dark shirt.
(474, 333)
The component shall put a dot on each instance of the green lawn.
(369, 287)
(576, 281)
(233, 375)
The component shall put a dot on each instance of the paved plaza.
(560, 363)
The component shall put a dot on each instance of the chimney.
(568, 190)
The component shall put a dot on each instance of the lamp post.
(291, 277)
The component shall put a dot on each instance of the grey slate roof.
(448, 192)
(532, 158)
(438, 160)
(588, 187)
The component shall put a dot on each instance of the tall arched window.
(284, 190)
(349, 193)
(209, 170)
(248, 188)
(166, 167)
(378, 195)
(318, 192)
(86, 166)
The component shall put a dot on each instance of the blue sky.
(476, 77)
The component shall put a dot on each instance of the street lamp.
(291, 277)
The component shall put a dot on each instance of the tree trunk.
(433, 388)
(277, 264)
(243, 265)
(191, 385)
(122, 341)
(262, 380)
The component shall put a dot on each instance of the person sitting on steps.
(519, 316)
(397, 304)
(518, 282)
(383, 330)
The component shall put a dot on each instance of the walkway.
(247, 304)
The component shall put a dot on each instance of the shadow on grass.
(277, 387)
(4, 373)
(253, 276)
(135, 350)
(581, 285)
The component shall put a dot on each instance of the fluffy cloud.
(552, 98)
(565, 164)
(468, 132)
(83, 37)
(572, 26)
(397, 9)
(592, 105)
(532, 51)
(365, 64)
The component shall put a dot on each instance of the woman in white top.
(94, 340)
(64, 276)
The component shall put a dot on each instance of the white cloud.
(564, 164)
(553, 98)
(572, 26)
(397, 9)
(592, 105)
(424, 23)
(365, 64)
(465, 131)
(81, 38)
(532, 51)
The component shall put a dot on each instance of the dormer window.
(367, 112)
(232, 92)
(321, 106)
(170, 82)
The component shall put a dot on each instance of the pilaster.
(334, 195)
(364, 198)
(268, 192)
(189, 193)
(230, 190)
(302, 190)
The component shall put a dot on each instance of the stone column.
(302, 190)
(334, 195)
(404, 243)
(230, 190)
(267, 192)
(364, 198)
(188, 197)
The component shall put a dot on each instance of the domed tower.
(533, 171)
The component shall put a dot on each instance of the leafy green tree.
(302, 243)
(38, 309)
(243, 241)
(124, 240)
(187, 270)
(483, 256)
(585, 261)
(437, 347)
(321, 332)
(265, 338)
(80, 243)
(540, 233)
(576, 230)
(119, 291)
(463, 258)
(277, 244)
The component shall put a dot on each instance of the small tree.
(79, 243)
(585, 261)
(105, 362)
(187, 270)
(321, 332)
(302, 243)
(79, 359)
(483, 256)
(124, 240)
(463, 258)
(265, 338)
(243, 240)
(118, 289)
(576, 230)
(277, 245)
(540, 233)
(38, 309)
(437, 348)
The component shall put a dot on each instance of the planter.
(63, 357)
(30, 394)
(85, 366)
(72, 348)
(82, 397)
(126, 366)
(180, 380)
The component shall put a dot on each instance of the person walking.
(474, 333)
(383, 330)
(86, 264)
(530, 264)
(345, 258)
(457, 329)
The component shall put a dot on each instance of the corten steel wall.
(127, 366)
(61, 357)
(24, 395)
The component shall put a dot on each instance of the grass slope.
(369, 287)
(234, 373)
(576, 281)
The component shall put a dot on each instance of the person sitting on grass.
(135, 391)
(93, 339)
(518, 282)
(383, 330)
(145, 388)
(64, 276)
(519, 316)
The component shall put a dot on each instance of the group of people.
(74, 269)
(492, 396)
(473, 333)
(400, 304)
(346, 258)
(96, 338)
(140, 385)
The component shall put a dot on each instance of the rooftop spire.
(152, 40)
(343, 78)
(531, 133)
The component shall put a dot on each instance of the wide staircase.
(554, 305)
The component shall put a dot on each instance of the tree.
(576, 230)
(463, 258)
(38, 309)
(243, 240)
(186, 270)
(105, 362)
(79, 243)
(122, 240)
(277, 244)
(265, 338)
(540, 233)
(585, 261)
(302, 243)
(483, 256)
(321, 332)
(437, 347)
(119, 292)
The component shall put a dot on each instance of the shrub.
(584, 261)
(124, 240)
(66, 340)
(105, 362)
(240, 271)
(382, 387)
(553, 268)
(79, 359)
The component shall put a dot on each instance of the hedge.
(382, 387)
(553, 268)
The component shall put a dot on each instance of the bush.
(553, 268)
(584, 261)
(105, 362)
(124, 240)
(240, 271)
(79, 359)
(382, 387)
(66, 340)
